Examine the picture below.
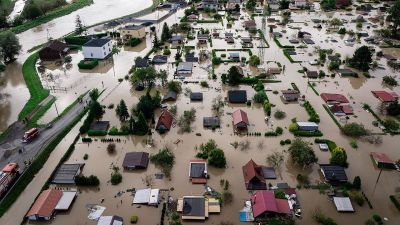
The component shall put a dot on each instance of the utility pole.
(55, 105)
(377, 180)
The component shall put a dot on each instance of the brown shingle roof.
(136, 160)
(46, 203)
(165, 120)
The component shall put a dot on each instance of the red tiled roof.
(265, 201)
(165, 119)
(240, 116)
(347, 109)
(385, 96)
(328, 97)
(46, 203)
(251, 23)
(381, 158)
(10, 167)
(252, 170)
(199, 180)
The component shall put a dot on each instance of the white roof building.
(147, 196)
(343, 204)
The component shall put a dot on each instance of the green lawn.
(36, 90)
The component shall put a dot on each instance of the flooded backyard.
(69, 82)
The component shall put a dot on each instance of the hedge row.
(314, 117)
(303, 133)
(88, 64)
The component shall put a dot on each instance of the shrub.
(204, 84)
(87, 181)
(391, 124)
(377, 218)
(279, 130)
(357, 183)
(353, 143)
(116, 178)
(134, 42)
(227, 197)
(279, 114)
(260, 97)
(86, 140)
(357, 197)
(338, 157)
(282, 142)
(293, 127)
(395, 201)
(288, 141)
(165, 159)
(354, 130)
(302, 154)
(85, 156)
(88, 64)
(217, 158)
(134, 219)
(314, 117)
(303, 133)
(280, 194)
(111, 148)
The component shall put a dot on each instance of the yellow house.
(132, 31)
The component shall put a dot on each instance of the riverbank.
(52, 15)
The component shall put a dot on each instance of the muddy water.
(99, 162)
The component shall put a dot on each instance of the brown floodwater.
(100, 162)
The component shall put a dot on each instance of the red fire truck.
(30, 134)
(7, 177)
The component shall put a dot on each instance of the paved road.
(14, 145)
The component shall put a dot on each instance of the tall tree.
(251, 5)
(394, 17)
(9, 46)
(166, 33)
(32, 10)
(122, 111)
(79, 28)
(362, 58)
(141, 127)
(233, 76)
(302, 154)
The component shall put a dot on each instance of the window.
(104, 53)
(91, 54)
(104, 48)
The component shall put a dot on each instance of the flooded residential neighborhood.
(199, 112)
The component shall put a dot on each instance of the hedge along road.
(34, 148)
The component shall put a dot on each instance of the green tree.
(166, 33)
(94, 94)
(9, 46)
(96, 110)
(174, 86)
(394, 18)
(165, 158)
(141, 127)
(393, 109)
(302, 154)
(361, 59)
(32, 10)
(284, 4)
(156, 43)
(144, 77)
(251, 5)
(233, 76)
(122, 111)
(254, 60)
(217, 158)
(328, 4)
(338, 157)
(357, 183)
(354, 130)
(260, 97)
(335, 22)
(162, 75)
(391, 124)
(147, 104)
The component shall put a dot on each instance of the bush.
(282, 142)
(217, 158)
(338, 157)
(279, 114)
(288, 141)
(353, 143)
(391, 124)
(314, 117)
(87, 181)
(87, 140)
(167, 52)
(165, 159)
(293, 127)
(134, 219)
(302, 154)
(354, 130)
(116, 178)
(260, 97)
(279, 130)
(357, 183)
(280, 194)
(111, 148)
(395, 201)
(227, 197)
(85, 156)
(357, 197)
(204, 84)
(88, 64)
(303, 133)
(377, 218)
(135, 42)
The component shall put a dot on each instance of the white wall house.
(300, 3)
(97, 48)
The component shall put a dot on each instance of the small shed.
(198, 171)
(333, 174)
(308, 41)
(311, 74)
(307, 126)
(135, 160)
(381, 160)
(240, 119)
(196, 96)
(193, 208)
(147, 196)
(176, 39)
(164, 122)
(274, 70)
(170, 96)
(290, 95)
(346, 73)
(190, 57)
(343, 204)
(211, 122)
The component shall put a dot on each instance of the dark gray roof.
(133, 27)
(97, 42)
(100, 125)
(312, 74)
(160, 59)
(66, 173)
(136, 160)
(269, 172)
(141, 62)
(237, 96)
(308, 41)
(345, 72)
(190, 57)
(170, 96)
(197, 170)
(211, 122)
(185, 66)
(196, 96)
(193, 206)
(333, 173)
(176, 38)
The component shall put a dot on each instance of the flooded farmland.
(70, 82)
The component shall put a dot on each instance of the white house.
(97, 48)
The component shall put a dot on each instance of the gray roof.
(269, 172)
(237, 96)
(197, 169)
(135, 160)
(176, 38)
(333, 173)
(160, 59)
(170, 96)
(234, 54)
(193, 206)
(66, 173)
(133, 27)
(97, 42)
(211, 122)
(185, 66)
(100, 125)
(196, 96)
